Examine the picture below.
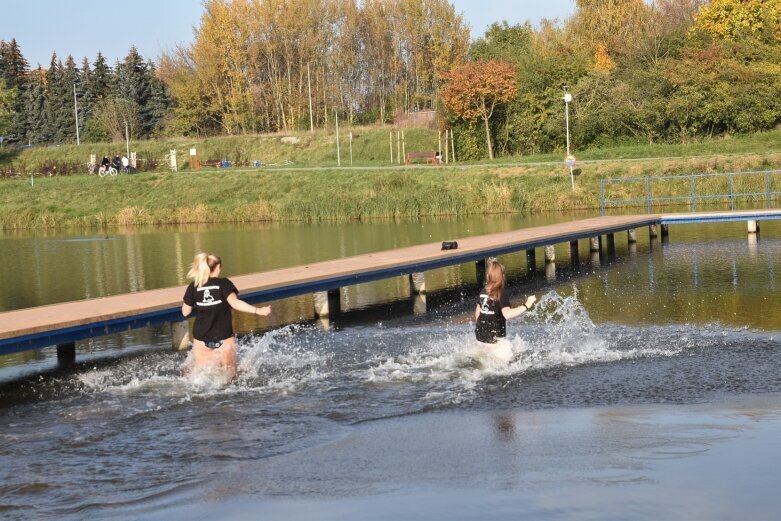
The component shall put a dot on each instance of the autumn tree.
(731, 19)
(475, 89)
(113, 113)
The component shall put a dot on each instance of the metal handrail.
(692, 197)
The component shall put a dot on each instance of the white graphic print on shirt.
(208, 298)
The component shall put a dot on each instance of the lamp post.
(570, 159)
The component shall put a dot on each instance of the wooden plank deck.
(43, 326)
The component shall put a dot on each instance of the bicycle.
(104, 170)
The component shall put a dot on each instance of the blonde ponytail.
(203, 265)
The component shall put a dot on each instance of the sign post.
(570, 161)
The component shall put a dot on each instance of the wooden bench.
(430, 158)
(213, 163)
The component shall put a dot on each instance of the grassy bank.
(370, 147)
(230, 195)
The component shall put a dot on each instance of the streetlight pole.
(76, 112)
(570, 160)
(338, 151)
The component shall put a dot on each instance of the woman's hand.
(264, 311)
(530, 301)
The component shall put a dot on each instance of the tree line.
(264, 66)
(638, 72)
(41, 104)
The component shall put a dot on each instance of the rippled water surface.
(131, 432)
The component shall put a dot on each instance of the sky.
(84, 27)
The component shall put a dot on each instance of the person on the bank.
(494, 308)
(214, 297)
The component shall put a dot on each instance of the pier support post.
(631, 236)
(753, 226)
(419, 304)
(531, 261)
(550, 254)
(326, 303)
(596, 261)
(611, 245)
(550, 271)
(652, 233)
(574, 256)
(66, 354)
(480, 273)
(665, 230)
(595, 243)
(180, 335)
(417, 283)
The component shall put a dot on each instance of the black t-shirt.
(213, 319)
(491, 323)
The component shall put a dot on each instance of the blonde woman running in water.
(213, 341)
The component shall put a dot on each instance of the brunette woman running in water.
(494, 309)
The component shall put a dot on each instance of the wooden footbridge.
(63, 324)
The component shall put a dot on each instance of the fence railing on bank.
(691, 189)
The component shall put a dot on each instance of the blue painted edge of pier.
(758, 215)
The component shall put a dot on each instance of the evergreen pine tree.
(84, 94)
(100, 83)
(56, 105)
(159, 100)
(133, 83)
(15, 70)
(14, 67)
(35, 104)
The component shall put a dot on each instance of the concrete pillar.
(66, 354)
(574, 256)
(419, 304)
(595, 243)
(652, 233)
(531, 261)
(596, 261)
(550, 271)
(753, 226)
(480, 273)
(631, 236)
(326, 303)
(665, 230)
(417, 283)
(550, 254)
(180, 335)
(633, 249)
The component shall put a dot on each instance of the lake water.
(645, 385)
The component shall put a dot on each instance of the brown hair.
(494, 279)
(203, 265)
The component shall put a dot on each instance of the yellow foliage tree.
(602, 60)
(731, 19)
